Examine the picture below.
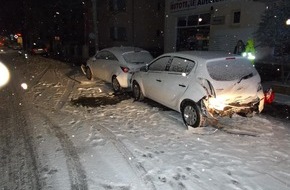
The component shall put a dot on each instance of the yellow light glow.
(4, 75)
(217, 103)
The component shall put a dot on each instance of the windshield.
(229, 70)
(138, 57)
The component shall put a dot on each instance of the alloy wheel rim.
(190, 115)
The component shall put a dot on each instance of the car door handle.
(182, 85)
(158, 80)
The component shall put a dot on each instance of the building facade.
(210, 24)
(131, 23)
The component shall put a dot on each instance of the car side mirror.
(144, 68)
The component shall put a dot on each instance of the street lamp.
(288, 22)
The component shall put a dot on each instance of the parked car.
(116, 65)
(39, 49)
(201, 85)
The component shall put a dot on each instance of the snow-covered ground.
(88, 138)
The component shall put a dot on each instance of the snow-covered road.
(82, 136)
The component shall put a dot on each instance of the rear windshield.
(229, 70)
(138, 57)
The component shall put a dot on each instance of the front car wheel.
(191, 114)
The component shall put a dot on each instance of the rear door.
(111, 66)
(176, 81)
(97, 64)
(153, 79)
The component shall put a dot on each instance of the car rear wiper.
(246, 77)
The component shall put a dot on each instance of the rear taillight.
(125, 69)
(269, 96)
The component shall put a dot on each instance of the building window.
(181, 21)
(204, 19)
(118, 33)
(237, 17)
(192, 20)
(117, 5)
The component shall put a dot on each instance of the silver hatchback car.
(201, 85)
(116, 65)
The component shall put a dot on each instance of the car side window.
(160, 64)
(111, 56)
(181, 65)
(101, 55)
(106, 55)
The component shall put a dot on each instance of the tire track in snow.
(39, 76)
(136, 166)
(77, 175)
(19, 167)
(59, 105)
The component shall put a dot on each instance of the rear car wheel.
(89, 74)
(115, 84)
(191, 114)
(137, 92)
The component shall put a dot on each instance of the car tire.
(89, 74)
(115, 84)
(137, 92)
(191, 114)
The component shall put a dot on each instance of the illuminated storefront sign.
(178, 5)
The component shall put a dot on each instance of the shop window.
(204, 19)
(117, 5)
(118, 33)
(192, 20)
(181, 21)
(237, 17)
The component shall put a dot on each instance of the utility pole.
(95, 24)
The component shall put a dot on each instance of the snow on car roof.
(204, 55)
(123, 49)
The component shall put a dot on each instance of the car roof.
(203, 55)
(118, 51)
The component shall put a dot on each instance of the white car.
(201, 85)
(116, 65)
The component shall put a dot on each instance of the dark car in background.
(39, 49)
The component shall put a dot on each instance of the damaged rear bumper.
(247, 109)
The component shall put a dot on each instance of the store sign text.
(177, 5)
